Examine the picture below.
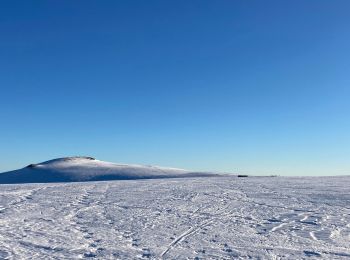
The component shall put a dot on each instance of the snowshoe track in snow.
(196, 218)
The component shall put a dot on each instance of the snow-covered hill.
(72, 169)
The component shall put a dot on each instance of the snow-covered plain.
(183, 218)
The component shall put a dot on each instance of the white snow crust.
(184, 218)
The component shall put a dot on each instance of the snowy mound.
(71, 169)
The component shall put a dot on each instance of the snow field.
(194, 218)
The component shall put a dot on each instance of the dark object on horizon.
(242, 175)
(31, 166)
(86, 157)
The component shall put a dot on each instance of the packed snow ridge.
(82, 168)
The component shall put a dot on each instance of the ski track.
(192, 218)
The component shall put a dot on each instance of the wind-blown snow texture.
(72, 169)
(207, 218)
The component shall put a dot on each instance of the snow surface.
(71, 169)
(183, 218)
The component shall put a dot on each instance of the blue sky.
(258, 87)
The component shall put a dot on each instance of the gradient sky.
(258, 87)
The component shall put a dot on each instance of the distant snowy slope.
(72, 169)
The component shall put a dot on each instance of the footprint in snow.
(311, 253)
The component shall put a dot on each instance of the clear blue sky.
(253, 87)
